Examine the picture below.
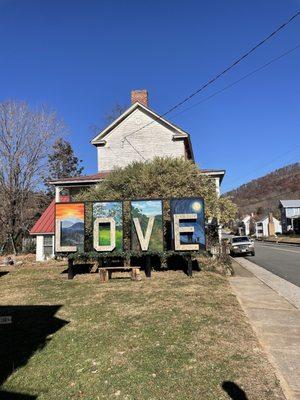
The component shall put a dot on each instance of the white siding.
(278, 227)
(265, 229)
(39, 248)
(218, 190)
(154, 140)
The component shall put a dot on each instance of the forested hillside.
(263, 194)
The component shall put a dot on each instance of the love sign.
(147, 225)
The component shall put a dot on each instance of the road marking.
(276, 248)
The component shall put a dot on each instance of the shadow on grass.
(28, 332)
(3, 273)
(179, 263)
(234, 391)
(80, 269)
(15, 396)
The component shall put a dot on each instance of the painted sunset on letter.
(69, 210)
(71, 216)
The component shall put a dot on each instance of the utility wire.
(236, 62)
(239, 80)
(282, 26)
(273, 60)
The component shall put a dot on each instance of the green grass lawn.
(168, 337)
(104, 237)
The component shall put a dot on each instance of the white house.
(290, 215)
(246, 222)
(262, 227)
(138, 134)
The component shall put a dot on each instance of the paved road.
(281, 260)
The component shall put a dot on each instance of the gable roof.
(246, 218)
(45, 224)
(267, 217)
(290, 203)
(178, 132)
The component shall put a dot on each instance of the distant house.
(243, 225)
(246, 225)
(262, 227)
(136, 135)
(290, 215)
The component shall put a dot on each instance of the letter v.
(144, 240)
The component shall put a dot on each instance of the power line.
(236, 82)
(282, 26)
(248, 75)
(134, 148)
(239, 80)
(215, 78)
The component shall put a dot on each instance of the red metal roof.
(45, 224)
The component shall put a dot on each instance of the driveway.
(282, 260)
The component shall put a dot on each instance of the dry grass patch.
(168, 337)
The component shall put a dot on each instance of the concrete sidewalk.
(286, 289)
(276, 323)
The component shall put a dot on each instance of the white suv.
(241, 245)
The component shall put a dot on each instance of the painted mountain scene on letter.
(143, 210)
(72, 223)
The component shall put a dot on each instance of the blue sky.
(80, 57)
(109, 208)
(148, 208)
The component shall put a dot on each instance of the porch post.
(57, 194)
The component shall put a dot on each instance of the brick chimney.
(139, 95)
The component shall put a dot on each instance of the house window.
(48, 246)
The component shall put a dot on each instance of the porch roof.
(80, 180)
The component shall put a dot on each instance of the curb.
(284, 288)
(279, 243)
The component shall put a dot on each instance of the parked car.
(241, 245)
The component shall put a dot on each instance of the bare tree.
(114, 113)
(25, 138)
(109, 117)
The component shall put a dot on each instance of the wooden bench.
(106, 268)
(105, 273)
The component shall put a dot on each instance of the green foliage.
(62, 162)
(126, 255)
(162, 178)
(228, 210)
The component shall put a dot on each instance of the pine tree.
(62, 163)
